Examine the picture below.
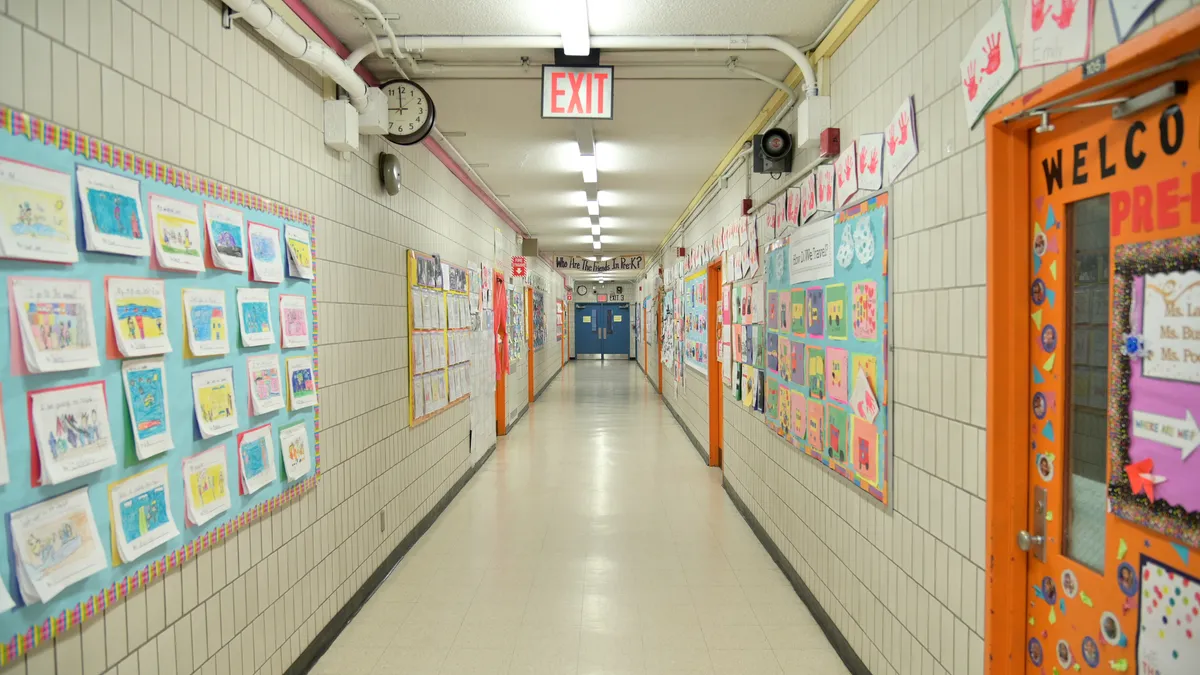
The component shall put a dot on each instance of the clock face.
(410, 112)
(581, 289)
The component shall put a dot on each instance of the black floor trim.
(840, 644)
(692, 437)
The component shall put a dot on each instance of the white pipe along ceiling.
(420, 43)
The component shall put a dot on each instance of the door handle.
(1035, 542)
(1026, 541)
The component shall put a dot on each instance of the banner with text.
(616, 264)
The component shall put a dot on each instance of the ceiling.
(676, 113)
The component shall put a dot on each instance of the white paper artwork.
(847, 174)
(1129, 14)
(299, 252)
(214, 402)
(862, 401)
(1056, 31)
(113, 221)
(989, 64)
(42, 211)
(206, 485)
(845, 254)
(55, 544)
(864, 240)
(901, 140)
(141, 513)
(55, 317)
(178, 244)
(265, 255)
(870, 162)
(138, 308)
(810, 252)
(266, 384)
(293, 320)
(206, 321)
(72, 431)
(1171, 324)
(808, 197)
(302, 385)
(297, 457)
(256, 458)
(825, 179)
(226, 236)
(1167, 643)
(146, 396)
(254, 317)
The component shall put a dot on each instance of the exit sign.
(602, 298)
(577, 92)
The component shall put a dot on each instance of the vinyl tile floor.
(594, 541)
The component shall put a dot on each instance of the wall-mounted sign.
(602, 298)
(520, 266)
(585, 93)
(616, 263)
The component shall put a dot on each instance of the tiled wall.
(161, 77)
(905, 587)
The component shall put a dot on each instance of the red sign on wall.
(601, 298)
(520, 266)
(585, 93)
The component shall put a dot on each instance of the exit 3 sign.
(577, 92)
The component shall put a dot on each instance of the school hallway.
(595, 540)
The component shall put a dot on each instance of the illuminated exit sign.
(577, 92)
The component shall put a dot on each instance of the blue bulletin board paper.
(695, 319)
(32, 141)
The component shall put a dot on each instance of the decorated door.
(1114, 503)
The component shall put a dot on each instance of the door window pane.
(1083, 538)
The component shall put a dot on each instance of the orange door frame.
(529, 337)
(1008, 344)
(501, 337)
(658, 327)
(716, 398)
(645, 340)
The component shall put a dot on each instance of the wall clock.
(411, 112)
(581, 289)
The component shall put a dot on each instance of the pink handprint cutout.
(972, 83)
(1066, 15)
(903, 127)
(1037, 13)
(992, 52)
(891, 142)
(862, 157)
(873, 165)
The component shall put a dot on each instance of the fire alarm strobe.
(773, 152)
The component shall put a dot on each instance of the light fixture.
(596, 244)
(573, 20)
(596, 230)
(593, 208)
(454, 134)
(587, 164)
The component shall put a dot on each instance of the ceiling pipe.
(323, 59)
(420, 43)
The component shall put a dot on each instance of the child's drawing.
(293, 318)
(141, 513)
(837, 376)
(55, 317)
(302, 387)
(71, 427)
(177, 238)
(297, 459)
(254, 313)
(207, 332)
(226, 236)
(816, 372)
(113, 221)
(836, 321)
(206, 482)
(137, 308)
(37, 213)
(266, 261)
(256, 457)
(816, 311)
(213, 400)
(146, 393)
(865, 310)
(836, 441)
(266, 388)
(299, 248)
(56, 544)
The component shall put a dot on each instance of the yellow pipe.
(837, 35)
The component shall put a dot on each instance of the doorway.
(500, 323)
(602, 330)
(1093, 516)
(716, 394)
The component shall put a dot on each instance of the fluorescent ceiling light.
(596, 230)
(587, 164)
(593, 208)
(596, 245)
(573, 21)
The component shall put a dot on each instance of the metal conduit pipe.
(323, 59)
(420, 43)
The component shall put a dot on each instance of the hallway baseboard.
(691, 437)
(321, 643)
(840, 644)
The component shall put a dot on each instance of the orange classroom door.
(1113, 510)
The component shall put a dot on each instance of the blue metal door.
(587, 330)
(616, 335)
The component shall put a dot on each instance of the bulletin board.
(516, 327)
(695, 320)
(669, 331)
(439, 345)
(539, 320)
(42, 145)
(827, 318)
